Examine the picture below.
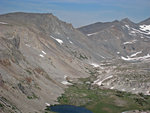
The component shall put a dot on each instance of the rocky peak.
(46, 23)
(127, 21)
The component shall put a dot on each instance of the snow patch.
(131, 42)
(3, 23)
(145, 28)
(135, 54)
(94, 65)
(147, 92)
(69, 40)
(27, 45)
(92, 34)
(47, 104)
(112, 88)
(127, 43)
(133, 32)
(123, 90)
(118, 52)
(100, 82)
(136, 58)
(127, 26)
(66, 83)
(102, 56)
(58, 40)
(43, 52)
(65, 77)
(146, 32)
(96, 81)
(41, 55)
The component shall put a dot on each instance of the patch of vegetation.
(144, 96)
(28, 71)
(47, 108)
(102, 100)
(79, 55)
(91, 72)
(7, 107)
(3, 98)
(51, 62)
(29, 97)
(33, 96)
(37, 86)
(1, 105)
(14, 108)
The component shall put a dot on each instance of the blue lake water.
(69, 109)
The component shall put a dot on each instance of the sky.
(82, 12)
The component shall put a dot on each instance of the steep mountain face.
(124, 39)
(39, 54)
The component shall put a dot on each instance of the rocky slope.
(124, 39)
(41, 55)
(129, 42)
(38, 55)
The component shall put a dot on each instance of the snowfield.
(142, 30)
(145, 28)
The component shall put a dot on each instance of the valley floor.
(103, 98)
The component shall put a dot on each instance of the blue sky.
(82, 12)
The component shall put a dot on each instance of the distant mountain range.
(121, 38)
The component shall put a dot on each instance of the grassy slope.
(103, 100)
